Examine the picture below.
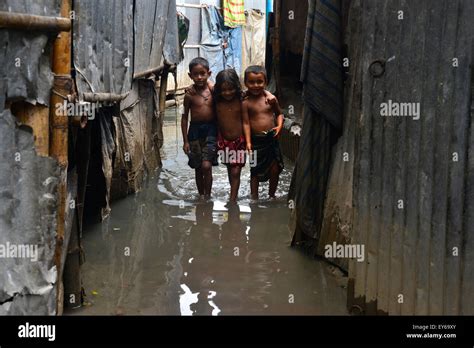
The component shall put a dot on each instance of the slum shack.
(378, 97)
(83, 88)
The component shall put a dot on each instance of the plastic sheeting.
(28, 220)
(25, 72)
(138, 138)
(103, 45)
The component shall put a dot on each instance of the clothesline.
(206, 5)
(196, 6)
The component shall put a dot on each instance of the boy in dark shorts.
(266, 122)
(200, 140)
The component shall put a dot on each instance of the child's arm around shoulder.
(279, 117)
(184, 122)
(246, 125)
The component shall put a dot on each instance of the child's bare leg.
(206, 168)
(234, 182)
(274, 176)
(228, 174)
(254, 187)
(199, 181)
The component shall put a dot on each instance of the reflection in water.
(190, 257)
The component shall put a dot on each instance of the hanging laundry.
(220, 45)
(253, 39)
(233, 13)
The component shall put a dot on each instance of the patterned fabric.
(202, 143)
(234, 13)
(321, 71)
(267, 150)
(237, 147)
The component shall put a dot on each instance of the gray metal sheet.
(156, 34)
(103, 45)
(409, 248)
(25, 71)
(27, 218)
(171, 48)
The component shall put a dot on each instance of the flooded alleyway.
(163, 252)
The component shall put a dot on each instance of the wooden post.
(163, 88)
(37, 117)
(59, 134)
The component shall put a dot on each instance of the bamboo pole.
(36, 117)
(162, 94)
(23, 21)
(59, 133)
(104, 97)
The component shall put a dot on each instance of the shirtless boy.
(266, 122)
(200, 139)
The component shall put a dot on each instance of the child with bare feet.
(233, 130)
(200, 138)
(266, 122)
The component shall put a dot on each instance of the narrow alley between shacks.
(163, 251)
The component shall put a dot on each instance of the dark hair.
(231, 77)
(255, 69)
(198, 61)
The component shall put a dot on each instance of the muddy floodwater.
(164, 252)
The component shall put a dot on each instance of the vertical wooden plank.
(426, 171)
(442, 126)
(376, 158)
(391, 76)
(411, 148)
(363, 148)
(458, 177)
(467, 251)
(405, 86)
(353, 106)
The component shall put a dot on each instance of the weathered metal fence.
(402, 181)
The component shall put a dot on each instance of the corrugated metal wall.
(156, 37)
(404, 187)
(28, 181)
(413, 179)
(25, 71)
(103, 45)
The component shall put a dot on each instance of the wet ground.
(163, 252)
